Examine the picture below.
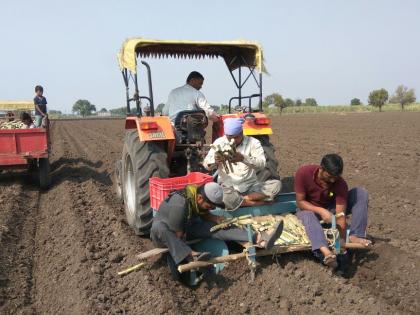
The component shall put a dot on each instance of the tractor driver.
(241, 187)
(184, 214)
(188, 97)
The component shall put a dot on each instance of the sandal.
(330, 261)
(270, 239)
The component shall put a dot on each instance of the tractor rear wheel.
(140, 161)
(118, 180)
(44, 173)
(271, 167)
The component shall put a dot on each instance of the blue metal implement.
(284, 203)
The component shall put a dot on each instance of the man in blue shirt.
(40, 105)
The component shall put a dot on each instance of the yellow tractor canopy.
(231, 51)
(16, 105)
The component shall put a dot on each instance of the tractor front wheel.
(140, 162)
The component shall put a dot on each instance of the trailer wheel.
(140, 161)
(271, 168)
(118, 180)
(44, 173)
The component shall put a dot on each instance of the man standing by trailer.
(40, 103)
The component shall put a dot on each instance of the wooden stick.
(157, 251)
(274, 251)
(233, 257)
(128, 270)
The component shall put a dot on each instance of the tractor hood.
(235, 53)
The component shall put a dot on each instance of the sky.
(332, 51)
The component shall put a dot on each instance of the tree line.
(402, 96)
(377, 98)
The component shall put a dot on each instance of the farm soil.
(60, 249)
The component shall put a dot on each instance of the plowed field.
(60, 249)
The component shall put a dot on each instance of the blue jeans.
(357, 205)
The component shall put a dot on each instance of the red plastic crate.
(160, 188)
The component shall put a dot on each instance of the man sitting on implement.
(184, 214)
(321, 192)
(241, 181)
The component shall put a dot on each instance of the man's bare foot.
(330, 259)
(360, 240)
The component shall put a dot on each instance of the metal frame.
(239, 83)
(127, 76)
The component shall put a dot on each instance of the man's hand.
(181, 235)
(218, 158)
(326, 216)
(237, 157)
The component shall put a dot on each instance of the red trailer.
(25, 148)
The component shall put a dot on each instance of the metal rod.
(149, 79)
(240, 86)
(127, 93)
(261, 92)
(136, 95)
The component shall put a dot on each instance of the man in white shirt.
(188, 97)
(242, 183)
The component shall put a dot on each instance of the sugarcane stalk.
(131, 269)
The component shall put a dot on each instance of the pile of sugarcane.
(293, 230)
(14, 124)
(226, 152)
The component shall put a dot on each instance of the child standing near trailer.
(40, 105)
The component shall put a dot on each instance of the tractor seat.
(190, 126)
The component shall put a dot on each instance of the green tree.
(403, 96)
(103, 110)
(83, 108)
(121, 111)
(311, 102)
(55, 112)
(355, 101)
(224, 108)
(215, 108)
(276, 99)
(289, 102)
(378, 98)
(298, 102)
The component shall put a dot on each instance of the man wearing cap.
(321, 192)
(242, 183)
(184, 214)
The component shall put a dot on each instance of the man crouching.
(184, 214)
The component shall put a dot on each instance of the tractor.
(156, 147)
